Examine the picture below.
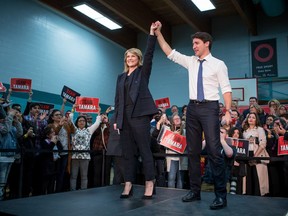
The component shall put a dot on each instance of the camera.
(157, 117)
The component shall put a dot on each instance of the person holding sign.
(134, 107)
(162, 122)
(176, 166)
(81, 141)
(206, 74)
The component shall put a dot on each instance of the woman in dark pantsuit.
(134, 107)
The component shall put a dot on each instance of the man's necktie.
(200, 90)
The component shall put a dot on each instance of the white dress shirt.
(215, 75)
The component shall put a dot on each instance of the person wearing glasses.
(273, 105)
(81, 142)
(63, 128)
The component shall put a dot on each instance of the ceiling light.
(98, 17)
(204, 5)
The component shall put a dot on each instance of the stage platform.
(167, 202)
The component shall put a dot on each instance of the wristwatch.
(229, 110)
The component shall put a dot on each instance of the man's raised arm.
(161, 40)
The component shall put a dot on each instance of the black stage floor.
(106, 201)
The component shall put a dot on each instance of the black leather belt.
(201, 102)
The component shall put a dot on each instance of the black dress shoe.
(130, 194)
(191, 196)
(218, 203)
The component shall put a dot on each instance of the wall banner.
(264, 58)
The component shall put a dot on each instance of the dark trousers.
(37, 176)
(101, 168)
(205, 117)
(48, 183)
(160, 172)
(135, 137)
(28, 170)
(61, 167)
(118, 169)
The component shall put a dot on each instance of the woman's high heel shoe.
(130, 194)
(153, 193)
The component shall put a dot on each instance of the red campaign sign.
(173, 141)
(2, 87)
(20, 85)
(87, 105)
(282, 146)
(163, 103)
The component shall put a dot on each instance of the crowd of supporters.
(50, 150)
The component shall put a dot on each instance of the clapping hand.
(63, 121)
(43, 116)
(54, 139)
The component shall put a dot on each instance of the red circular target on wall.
(263, 52)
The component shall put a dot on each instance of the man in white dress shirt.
(203, 114)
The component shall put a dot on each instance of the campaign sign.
(161, 132)
(20, 85)
(2, 87)
(87, 105)
(282, 146)
(241, 145)
(163, 103)
(69, 94)
(47, 108)
(173, 141)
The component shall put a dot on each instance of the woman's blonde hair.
(275, 101)
(173, 126)
(136, 52)
(280, 106)
(258, 108)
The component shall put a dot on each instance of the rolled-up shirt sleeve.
(223, 78)
(179, 58)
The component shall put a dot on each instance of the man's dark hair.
(285, 115)
(204, 36)
(253, 98)
(33, 105)
(17, 107)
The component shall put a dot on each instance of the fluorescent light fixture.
(98, 17)
(204, 5)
